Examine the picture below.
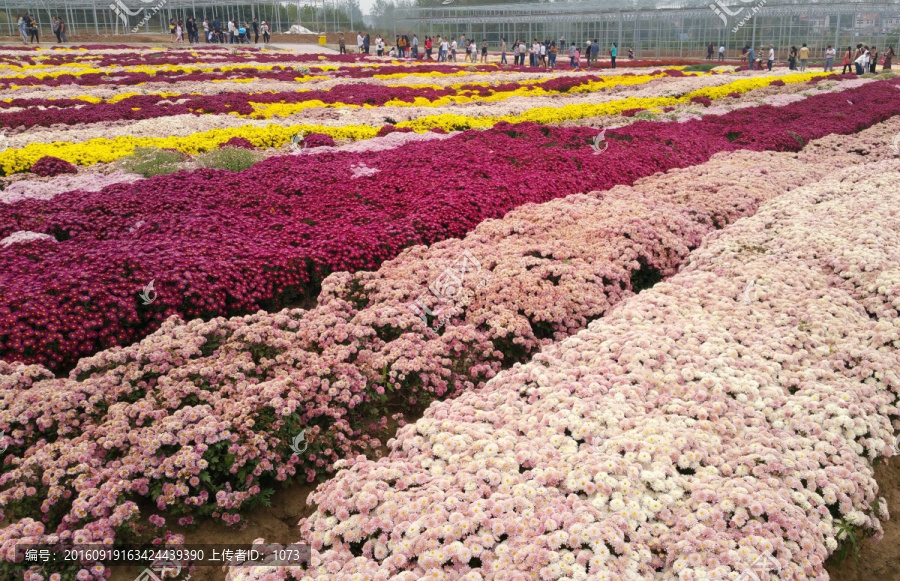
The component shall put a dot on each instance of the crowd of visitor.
(28, 28)
(862, 60)
(453, 49)
(546, 54)
(225, 33)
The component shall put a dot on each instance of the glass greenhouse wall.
(118, 17)
(667, 31)
(674, 28)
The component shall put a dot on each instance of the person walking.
(771, 59)
(615, 51)
(848, 56)
(503, 52)
(744, 51)
(172, 28)
(63, 28)
(342, 44)
(232, 31)
(543, 54)
(888, 56)
(55, 28)
(23, 29)
(367, 43)
(804, 57)
(255, 31)
(709, 51)
(553, 52)
(429, 43)
(453, 47)
(873, 59)
(830, 53)
(264, 27)
(721, 53)
(792, 58)
(572, 56)
(442, 49)
(32, 29)
(415, 47)
(484, 51)
(359, 42)
(751, 57)
(179, 31)
(595, 52)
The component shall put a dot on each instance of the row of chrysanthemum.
(102, 150)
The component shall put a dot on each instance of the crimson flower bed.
(221, 243)
(52, 166)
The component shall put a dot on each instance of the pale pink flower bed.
(48, 189)
(731, 412)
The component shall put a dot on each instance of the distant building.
(865, 21)
(817, 23)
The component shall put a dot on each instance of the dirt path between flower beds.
(878, 560)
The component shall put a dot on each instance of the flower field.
(648, 316)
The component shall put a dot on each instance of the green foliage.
(150, 161)
(228, 158)
(704, 68)
(849, 535)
